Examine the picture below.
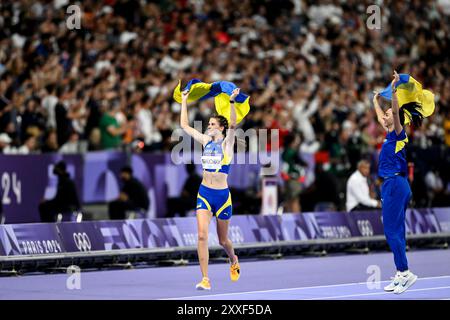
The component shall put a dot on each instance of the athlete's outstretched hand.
(395, 80)
(376, 96)
(185, 95)
(234, 94)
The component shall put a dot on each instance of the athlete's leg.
(396, 194)
(223, 214)
(203, 220)
(224, 241)
(406, 201)
(393, 210)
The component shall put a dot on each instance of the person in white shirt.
(358, 195)
(49, 103)
(74, 145)
(302, 113)
(5, 142)
(29, 147)
(435, 188)
(144, 120)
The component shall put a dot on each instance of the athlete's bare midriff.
(215, 180)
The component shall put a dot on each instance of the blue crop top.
(214, 159)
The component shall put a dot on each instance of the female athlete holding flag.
(395, 191)
(213, 195)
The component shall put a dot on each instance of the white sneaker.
(395, 281)
(406, 281)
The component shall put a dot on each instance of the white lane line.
(291, 289)
(376, 293)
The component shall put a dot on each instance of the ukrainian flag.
(409, 90)
(221, 91)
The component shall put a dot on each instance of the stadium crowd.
(309, 66)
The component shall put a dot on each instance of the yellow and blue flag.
(409, 90)
(221, 91)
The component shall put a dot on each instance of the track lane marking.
(291, 289)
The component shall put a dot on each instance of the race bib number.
(212, 162)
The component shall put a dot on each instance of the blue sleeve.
(401, 136)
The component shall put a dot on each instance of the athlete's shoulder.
(402, 135)
(208, 142)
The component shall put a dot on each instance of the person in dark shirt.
(133, 196)
(324, 189)
(188, 198)
(50, 142)
(66, 198)
(32, 116)
(63, 122)
(293, 173)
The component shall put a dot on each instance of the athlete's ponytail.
(411, 111)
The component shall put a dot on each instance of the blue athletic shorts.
(218, 201)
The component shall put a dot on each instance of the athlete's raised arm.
(395, 110)
(184, 122)
(378, 110)
(229, 139)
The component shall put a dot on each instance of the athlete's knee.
(392, 236)
(224, 242)
(202, 236)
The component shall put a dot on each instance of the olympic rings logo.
(82, 241)
(365, 227)
(236, 235)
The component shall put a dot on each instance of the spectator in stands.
(48, 103)
(66, 198)
(323, 193)
(110, 129)
(28, 147)
(50, 142)
(435, 187)
(94, 143)
(293, 173)
(358, 191)
(144, 121)
(62, 117)
(188, 199)
(419, 189)
(5, 141)
(73, 145)
(32, 118)
(310, 62)
(133, 196)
